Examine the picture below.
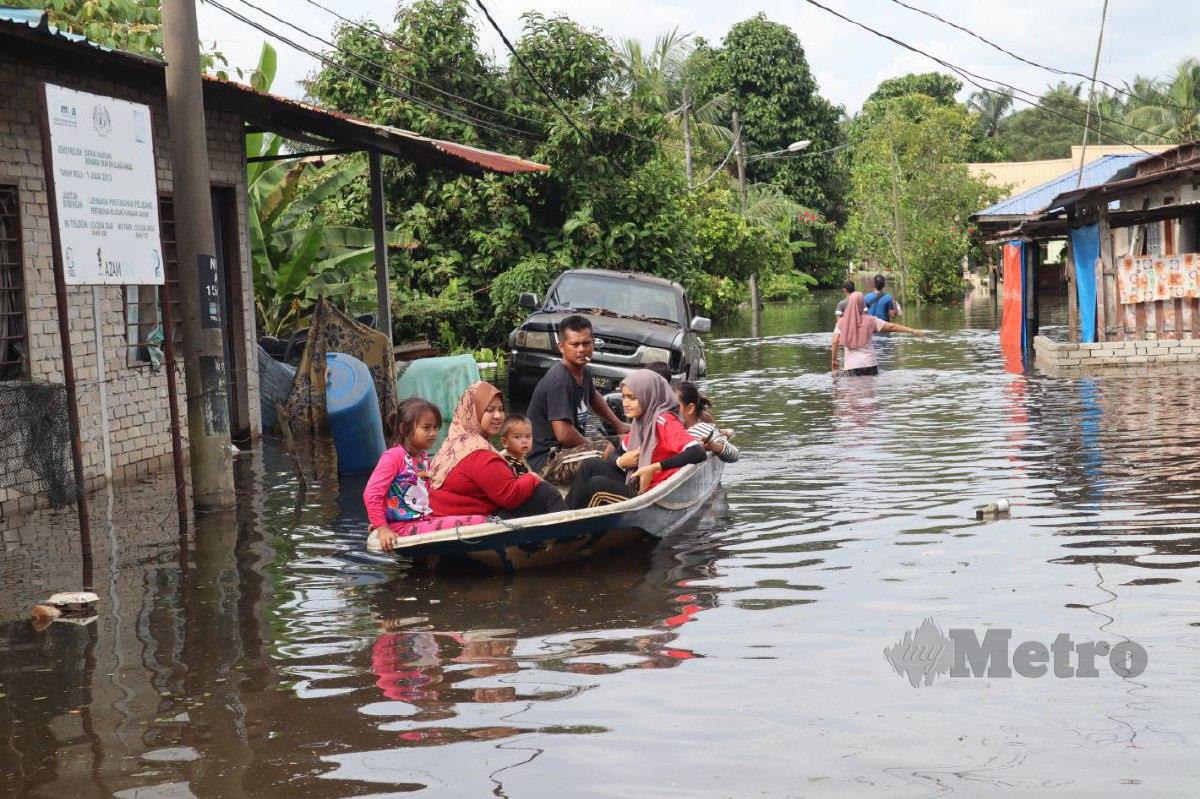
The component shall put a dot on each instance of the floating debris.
(993, 510)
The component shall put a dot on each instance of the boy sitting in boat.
(516, 438)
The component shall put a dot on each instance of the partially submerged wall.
(1062, 358)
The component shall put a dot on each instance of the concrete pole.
(687, 136)
(383, 320)
(740, 150)
(199, 279)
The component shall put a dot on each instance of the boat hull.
(540, 541)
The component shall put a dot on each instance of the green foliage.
(295, 255)
(761, 65)
(1168, 108)
(911, 195)
(131, 25)
(937, 86)
(1049, 132)
(615, 196)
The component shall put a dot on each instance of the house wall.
(138, 420)
(1177, 318)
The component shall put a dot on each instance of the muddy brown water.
(745, 657)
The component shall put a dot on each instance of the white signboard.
(105, 189)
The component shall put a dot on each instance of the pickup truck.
(637, 319)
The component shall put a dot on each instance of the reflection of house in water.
(1118, 452)
(258, 663)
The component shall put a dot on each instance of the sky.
(1141, 37)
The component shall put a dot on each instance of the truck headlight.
(533, 340)
(656, 355)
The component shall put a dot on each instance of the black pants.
(865, 371)
(598, 480)
(544, 499)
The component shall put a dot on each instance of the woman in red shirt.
(657, 444)
(468, 474)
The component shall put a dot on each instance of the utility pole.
(687, 136)
(199, 279)
(740, 149)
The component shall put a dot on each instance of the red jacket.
(481, 483)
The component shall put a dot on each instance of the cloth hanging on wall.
(1085, 249)
(1149, 278)
(1012, 309)
(333, 331)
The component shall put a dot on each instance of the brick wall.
(1056, 357)
(138, 417)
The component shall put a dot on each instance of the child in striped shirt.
(695, 409)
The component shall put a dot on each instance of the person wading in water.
(854, 330)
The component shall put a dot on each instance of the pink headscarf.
(856, 325)
(655, 396)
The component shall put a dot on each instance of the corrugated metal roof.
(268, 111)
(1040, 197)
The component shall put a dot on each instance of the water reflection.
(272, 656)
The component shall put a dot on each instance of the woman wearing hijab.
(656, 445)
(854, 330)
(469, 477)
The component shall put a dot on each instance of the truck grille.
(615, 346)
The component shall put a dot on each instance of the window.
(14, 349)
(142, 311)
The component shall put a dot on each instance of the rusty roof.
(27, 36)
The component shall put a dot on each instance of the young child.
(396, 496)
(516, 436)
(695, 408)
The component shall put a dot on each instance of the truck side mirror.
(527, 301)
(701, 324)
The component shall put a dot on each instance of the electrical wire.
(365, 78)
(973, 79)
(720, 167)
(1162, 102)
(400, 45)
(411, 98)
(549, 95)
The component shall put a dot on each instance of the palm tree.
(991, 107)
(655, 80)
(1172, 113)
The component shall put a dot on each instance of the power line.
(365, 78)
(412, 98)
(1161, 101)
(521, 61)
(400, 45)
(973, 79)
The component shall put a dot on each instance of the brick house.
(137, 424)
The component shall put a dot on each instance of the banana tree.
(296, 256)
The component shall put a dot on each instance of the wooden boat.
(552, 538)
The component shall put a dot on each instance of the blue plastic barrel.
(352, 407)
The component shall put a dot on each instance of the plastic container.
(442, 381)
(352, 408)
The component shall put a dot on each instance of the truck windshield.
(619, 295)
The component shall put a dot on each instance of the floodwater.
(273, 657)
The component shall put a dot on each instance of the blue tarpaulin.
(1085, 249)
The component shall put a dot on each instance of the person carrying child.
(397, 495)
(516, 437)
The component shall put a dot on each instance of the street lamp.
(797, 146)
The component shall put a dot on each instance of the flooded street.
(273, 656)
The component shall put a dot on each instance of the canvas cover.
(1085, 249)
(1012, 318)
(333, 331)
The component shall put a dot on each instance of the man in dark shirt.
(564, 397)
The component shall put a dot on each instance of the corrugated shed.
(1040, 197)
(267, 111)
